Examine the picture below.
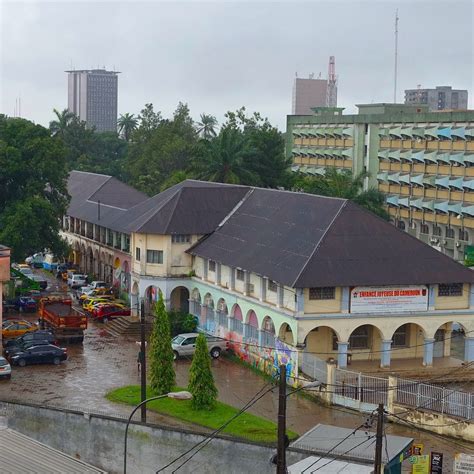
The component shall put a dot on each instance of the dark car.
(42, 354)
(24, 346)
(39, 336)
(23, 303)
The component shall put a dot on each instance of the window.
(463, 235)
(212, 266)
(137, 254)
(437, 231)
(450, 289)
(401, 225)
(424, 229)
(154, 256)
(272, 285)
(322, 293)
(359, 339)
(180, 238)
(240, 275)
(400, 336)
(449, 233)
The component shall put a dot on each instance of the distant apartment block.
(440, 98)
(92, 96)
(308, 93)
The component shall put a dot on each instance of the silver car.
(5, 369)
(185, 345)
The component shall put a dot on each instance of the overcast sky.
(219, 56)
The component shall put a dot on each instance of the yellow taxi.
(17, 328)
(95, 294)
(89, 303)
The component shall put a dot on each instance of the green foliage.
(342, 184)
(162, 375)
(33, 194)
(246, 425)
(181, 322)
(201, 381)
(207, 126)
(127, 124)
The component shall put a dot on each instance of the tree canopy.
(33, 182)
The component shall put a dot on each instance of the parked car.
(42, 354)
(22, 303)
(106, 311)
(185, 345)
(27, 271)
(37, 337)
(88, 303)
(76, 280)
(5, 368)
(17, 329)
(43, 283)
(7, 322)
(94, 286)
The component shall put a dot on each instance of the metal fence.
(435, 398)
(222, 319)
(314, 367)
(364, 388)
(268, 339)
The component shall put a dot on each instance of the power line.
(201, 444)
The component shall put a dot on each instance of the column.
(342, 354)
(431, 297)
(205, 265)
(468, 349)
(386, 348)
(428, 353)
(122, 242)
(280, 290)
(218, 273)
(232, 278)
(263, 288)
(300, 300)
(246, 282)
(345, 299)
(94, 231)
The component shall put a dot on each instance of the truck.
(23, 284)
(58, 314)
(185, 345)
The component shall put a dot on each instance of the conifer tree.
(162, 375)
(201, 380)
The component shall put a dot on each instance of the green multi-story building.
(422, 161)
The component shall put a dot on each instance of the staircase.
(127, 326)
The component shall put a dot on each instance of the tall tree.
(201, 381)
(207, 126)
(162, 375)
(33, 195)
(342, 184)
(63, 120)
(127, 124)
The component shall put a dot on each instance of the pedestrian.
(139, 359)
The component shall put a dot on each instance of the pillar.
(246, 282)
(428, 351)
(232, 278)
(263, 289)
(386, 348)
(391, 393)
(280, 291)
(342, 354)
(300, 300)
(345, 299)
(431, 297)
(218, 273)
(468, 349)
(205, 268)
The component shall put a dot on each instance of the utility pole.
(281, 448)
(395, 72)
(143, 361)
(379, 440)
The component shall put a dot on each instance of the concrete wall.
(99, 440)
(323, 306)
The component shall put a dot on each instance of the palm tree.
(64, 119)
(127, 123)
(224, 160)
(206, 127)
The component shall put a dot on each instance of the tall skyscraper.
(441, 98)
(92, 96)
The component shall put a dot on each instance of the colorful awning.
(416, 203)
(405, 202)
(469, 158)
(296, 131)
(417, 179)
(406, 155)
(467, 210)
(419, 132)
(444, 132)
(348, 132)
(455, 207)
(396, 132)
(456, 183)
(428, 205)
(392, 200)
(312, 132)
(459, 132)
(457, 158)
(347, 152)
(330, 131)
(431, 132)
(470, 132)
(383, 153)
(443, 158)
(296, 151)
(394, 155)
(405, 178)
(468, 184)
(383, 132)
(442, 182)
(382, 177)
(338, 131)
(441, 206)
(429, 180)
(320, 132)
(431, 157)
(394, 178)
(407, 132)
(418, 156)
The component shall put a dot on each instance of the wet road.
(105, 362)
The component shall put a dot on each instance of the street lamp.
(176, 395)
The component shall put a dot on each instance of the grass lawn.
(246, 426)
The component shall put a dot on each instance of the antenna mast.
(331, 90)
(396, 59)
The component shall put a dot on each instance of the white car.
(76, 280)
(93, 286)
(5, 368)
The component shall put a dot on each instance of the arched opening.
(102, 266)
(89, 261)
(95, 266)
(251, 327)
(151, 297)
(236, 322)
(267, 332)
(125, 276)
(117, 272)
(449, 341)
(179, 299)
(195, 307)
(408, 341)
(285, 334)
(208, 314)
(222, 314)
(322, 342)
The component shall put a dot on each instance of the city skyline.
(205, 55)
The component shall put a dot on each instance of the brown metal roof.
(303, 240)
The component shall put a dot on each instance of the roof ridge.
(177, 194)
(154, 210)
(100, 187)
(343, 205)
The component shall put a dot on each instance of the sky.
(219, 56)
